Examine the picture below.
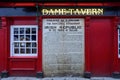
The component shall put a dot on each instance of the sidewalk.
(58, 78)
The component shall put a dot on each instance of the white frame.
(118, 41)
(12, 41)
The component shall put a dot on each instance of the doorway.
(101, 46)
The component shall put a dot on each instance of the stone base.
(87, 74)
(116, 74)
(4, 74)
(39, 74)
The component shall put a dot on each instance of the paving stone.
(109, 78)
(59, 78)
(97, 78)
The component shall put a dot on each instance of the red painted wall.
(101, 47)
(101, 55)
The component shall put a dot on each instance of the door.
(101, 47)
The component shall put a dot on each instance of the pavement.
(59, 78)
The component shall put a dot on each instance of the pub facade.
(60, 39)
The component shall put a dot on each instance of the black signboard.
(66, 11)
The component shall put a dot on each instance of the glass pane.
(119, 45)
(15, 30)
(16, 50)
(21, 30)
(119, 32)
(119, 51)
(34, 51)
(16, 44)
(22, 38)
(119, 37)
(27, 37)
(15, 37)
(27, 30)
(22, 44)
(33, 37)
(33, 30)
(28, 44)
(34, 44)
(22, 50)
(28, 51)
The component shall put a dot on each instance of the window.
(119, 42)
(24, 40)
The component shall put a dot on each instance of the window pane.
(33, 37)
(119, 51)
(119, 37)
(119, 32)
(21, 30)
(27, 37)
(34, 51)
(15, 30)
(22, 38)
(22, 44)
(27, 30)
(16, 44)
(34, 44)
(28, 51)
(28, 44)
(22, 50)
(15, 37)
(33, 30)
(16, 50)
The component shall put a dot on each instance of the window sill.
(23, 57)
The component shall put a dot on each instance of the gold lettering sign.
(72, 11)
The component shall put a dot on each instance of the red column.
(4, 28)
(115, 48)
(87, 51)
(39, 61)
(4, 25)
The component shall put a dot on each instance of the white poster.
(63, 45)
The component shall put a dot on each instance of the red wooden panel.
(2, 50)
(25, 65)
(22, 66)
(23, 20)
(101, 46)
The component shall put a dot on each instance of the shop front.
(51, 39)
